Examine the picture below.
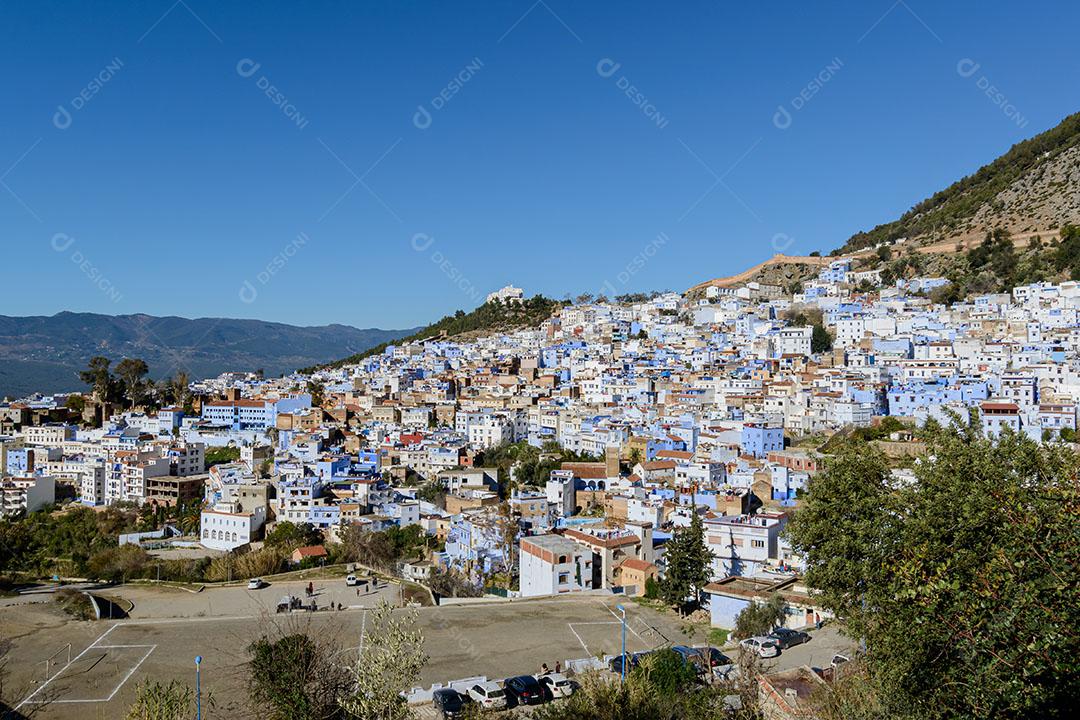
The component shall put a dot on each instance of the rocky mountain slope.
(1032, 188)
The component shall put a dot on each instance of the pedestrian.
(358, 591)
(558, 667)
(544, 669)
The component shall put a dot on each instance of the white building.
(561, 492)
(26, 494)
(743, 544)
(92, 482)
(552, 565)
(491, 431)
(508, 293)
(226, 527)
(792, 341)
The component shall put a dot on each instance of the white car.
(488, 695)
(765, 647)
(255, 584)
(557, 685)
(350, 580)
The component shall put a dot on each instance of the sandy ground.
(169, 627)
(109, 658)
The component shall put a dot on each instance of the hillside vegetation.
(1036, 182)
(494, 316)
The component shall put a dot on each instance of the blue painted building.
(759, 439)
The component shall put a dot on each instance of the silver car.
(488, 695)
(765, 647)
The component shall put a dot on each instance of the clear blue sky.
(175, 179)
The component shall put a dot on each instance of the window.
(757, 543)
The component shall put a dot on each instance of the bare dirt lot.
(109, 658)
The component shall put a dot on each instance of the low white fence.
(420, 695)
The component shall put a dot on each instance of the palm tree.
(189, 519)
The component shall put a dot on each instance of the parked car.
(718, 662)
(525, 690)
(839, 668)
(765, 647)
(718, 659)
(288, 603)
(448, 703)
(632, 661)
(786, 637)
(350, 580)
(691, 656)
(557, 685)
(255, 584)
(488, 696)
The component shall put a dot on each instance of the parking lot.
(109, 658)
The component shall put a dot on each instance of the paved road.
(818, 652)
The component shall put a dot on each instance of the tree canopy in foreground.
(962, 581)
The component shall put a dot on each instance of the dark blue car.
(525, 690)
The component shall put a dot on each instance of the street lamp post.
(622, 611)
(198, 688)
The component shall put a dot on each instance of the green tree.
(760, 618)
(131, 372)
(98, 377)
(220, 455)
(178, 392)
(76, 403)
(820, 341)
(963, 582)
(318, 393)
(689, 565)
(288, 536)
(663, 686)
(165, 701)
(118, 563)
(433, 492)
(189, 517)
(297, 674)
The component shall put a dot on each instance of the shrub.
(75, 603)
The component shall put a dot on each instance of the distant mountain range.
(45, 354)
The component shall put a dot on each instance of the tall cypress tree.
(689, 564)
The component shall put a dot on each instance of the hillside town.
(641, 416)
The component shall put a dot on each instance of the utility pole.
(622, 611)
(198, 687)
